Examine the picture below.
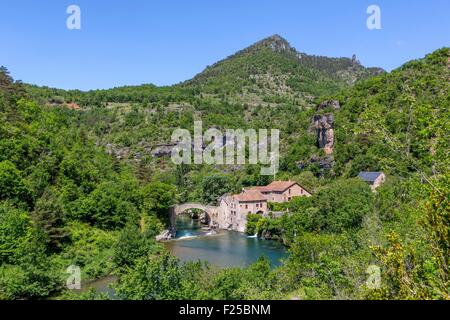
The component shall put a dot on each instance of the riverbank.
(194, 242)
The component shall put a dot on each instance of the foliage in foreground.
(64, 200)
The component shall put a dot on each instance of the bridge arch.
(179, 209)
(211, 211)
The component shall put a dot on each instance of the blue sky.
(168, 41)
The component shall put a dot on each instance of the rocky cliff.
(324, 127)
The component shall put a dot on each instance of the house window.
(301, 191)
(246, 206)
(289, 191)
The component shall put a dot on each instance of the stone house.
(283, 191)
(374, 179)
(235, 208)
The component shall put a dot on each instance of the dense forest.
(79, 184)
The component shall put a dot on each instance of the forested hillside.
(271, 67)
(82, 182)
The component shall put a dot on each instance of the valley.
(87, 179)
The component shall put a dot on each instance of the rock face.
(117, 152)
(162, 150)
(278, 44)
(324, 127)
(168, 234)
(325, 164)
(334, 104)
(204, 218)
(275, 42)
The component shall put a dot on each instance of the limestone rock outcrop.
(168, 234)
(163, 150)
(324, 164)
(324, 127)
(333, 104)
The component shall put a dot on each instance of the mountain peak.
(275, 38)
(273, 65)
(275, 42)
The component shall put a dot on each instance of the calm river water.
(224, 249)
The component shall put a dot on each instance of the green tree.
(410, 270)
(252, 223)
(214, 186)
(342, 205)
(132, 245)
(15, 229)
(49, 217)
(32, 276)
(156, 199)
(12, 185)
(107, 207)
(316, 265)
(160, 278)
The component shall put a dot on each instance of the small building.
(254, 200)
(283, 191)
(374, 179)
(251, 201)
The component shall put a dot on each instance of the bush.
(15, 229)
(215, 186)
(161, 278)
(133, 244)
(33, 275)
(107, 207)
(12, 185)
(342, 205)
(90, 248)
(252, 223)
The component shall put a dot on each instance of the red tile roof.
(277, 186)
(250, 195)
(256, 193)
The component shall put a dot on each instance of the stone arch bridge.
(211, 211)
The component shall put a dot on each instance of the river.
(224, 249)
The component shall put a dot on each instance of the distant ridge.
(273, 64)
